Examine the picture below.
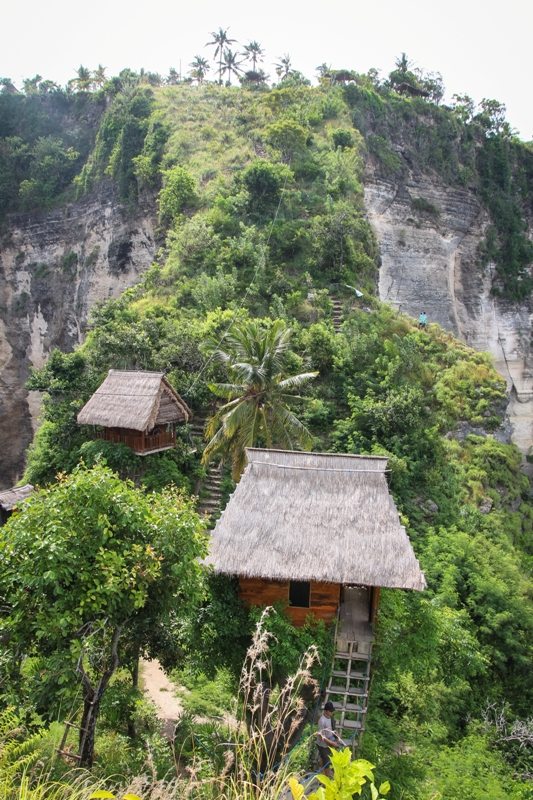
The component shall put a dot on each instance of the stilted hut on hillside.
(304, 527)
(320, 532)
(11, 498)
(138, 409)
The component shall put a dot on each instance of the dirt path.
(162, 693)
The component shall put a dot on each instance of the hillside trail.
(162, 692)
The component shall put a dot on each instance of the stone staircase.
(209, 489)
(337, 313)
(210, 492)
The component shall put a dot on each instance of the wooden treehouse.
(138, 409)
(11, 498)
(321, 533)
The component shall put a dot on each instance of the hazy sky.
(481, 48)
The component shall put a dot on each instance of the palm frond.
(297, 380)
(227, 390)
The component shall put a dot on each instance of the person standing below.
(422, 320)
(327, 738)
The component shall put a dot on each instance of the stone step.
(211, 503)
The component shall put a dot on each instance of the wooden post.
(374, 603)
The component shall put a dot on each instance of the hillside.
(434, 189)
(201, 207)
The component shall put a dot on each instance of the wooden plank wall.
(324, 600)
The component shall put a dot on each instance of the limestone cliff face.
(53, 268)
(429, 235)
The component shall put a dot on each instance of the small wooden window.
(299, 593)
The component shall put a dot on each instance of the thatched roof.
(134, 400)
(10, 498)
(314, 516)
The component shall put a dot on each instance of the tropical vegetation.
(258, 194)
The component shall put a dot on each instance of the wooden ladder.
(348, 688)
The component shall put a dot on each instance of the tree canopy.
(85, 564)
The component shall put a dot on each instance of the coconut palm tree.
(99, 76)
(199, 69)
(256, 411)
(231, 64)
(254, 52)
(284, 67)
(220, 41)
(84, 80)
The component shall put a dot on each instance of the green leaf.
(384, 789)
(102, 794)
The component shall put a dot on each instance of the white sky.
(481, 47)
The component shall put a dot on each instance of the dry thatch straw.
(134, 400)
(314, 517)
(11, 497)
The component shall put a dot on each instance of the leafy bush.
(424, 206)
(342, 138)
(264, 181)
(206, 697)
(177, 193)
(288, 643)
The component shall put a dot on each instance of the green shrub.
(178, 192)
(424, 206)
(204, 696)
(342, 138)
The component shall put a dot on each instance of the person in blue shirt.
(422, 320)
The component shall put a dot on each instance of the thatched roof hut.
(298, 516)
(12, 497)
(135, 400)
(139, 409)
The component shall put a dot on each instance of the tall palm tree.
(99, 76)
(284, 67)
(231, 64)
(220, 41)
(84, 80)
(254, 52)
(403, 64)
(256, 411)
(199, 69)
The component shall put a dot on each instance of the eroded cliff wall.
(53, 268)
(429, 234)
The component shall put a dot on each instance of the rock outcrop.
(54, 267)
(429, 235)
